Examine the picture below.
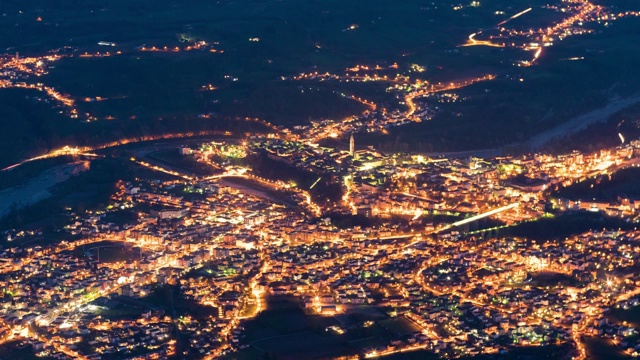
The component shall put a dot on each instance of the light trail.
(314, 184)
(466, 221)
(376, 354)
(514, 16)
(536, 55)
(485, 214)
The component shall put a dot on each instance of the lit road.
(473, 42)
(312, 207)
(88, 151)
(485, 214)
(64, 151)
(465, 221)
(515, 16)
(436, 88)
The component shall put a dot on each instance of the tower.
(352, 146)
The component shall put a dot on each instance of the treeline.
(564, 226)
(623, 183)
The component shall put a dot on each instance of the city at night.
(320, 179)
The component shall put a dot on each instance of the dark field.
(630, 315)
(601, 349)
(284, 331)
(528, 353)
(19, 350)
(108, 252)
(552, 279)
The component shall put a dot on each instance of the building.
(352, 146)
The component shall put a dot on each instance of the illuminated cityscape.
(229, 248)
(254, 237)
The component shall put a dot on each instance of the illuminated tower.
(352, 146)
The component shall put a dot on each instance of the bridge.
(484, 215)
(459, 223)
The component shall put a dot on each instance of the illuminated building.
(352, 146)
